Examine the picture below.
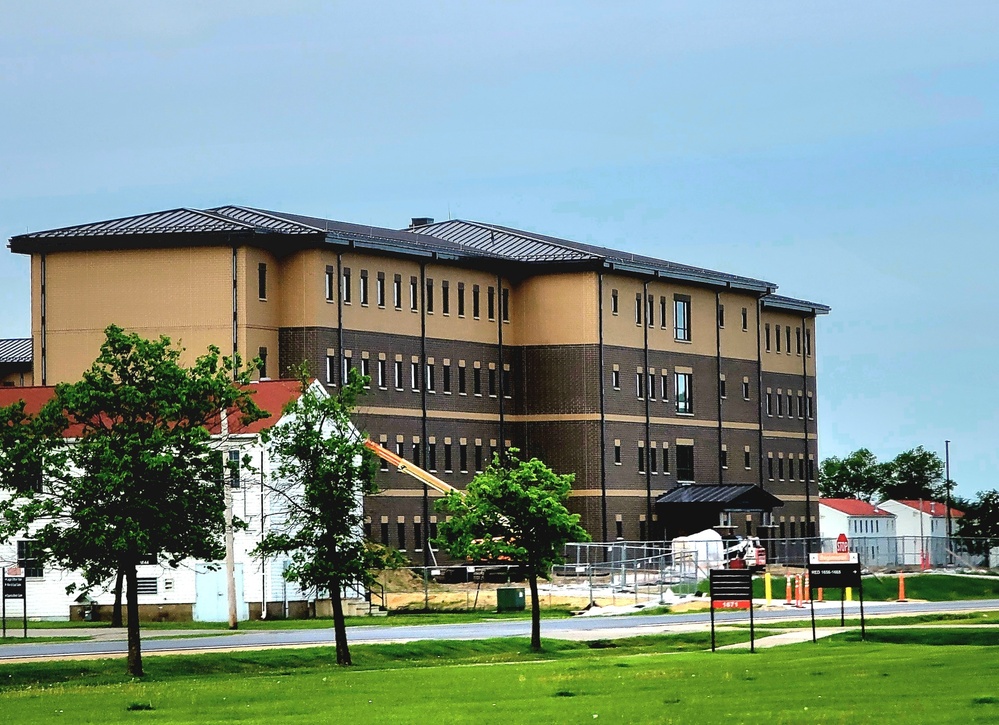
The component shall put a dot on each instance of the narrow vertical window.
(345, 366)
(330, 374)
(638, 308)
(650, 386)
(797, 340)
(402, 535)
(364, 287)
(478, 457)
(745, 389)
(446, 379)
(430, 296)
(463, 458)
(684, 462)
(461, 299)
(445, 297)
(766, 335)
(492, 382)
(684, 392)
(366, 371)
(397, 291)
(432, 457)
(616, 379)
(477, 381)
(770, 403)
(617, 454)
(414, 375)
(638, 385)
(233, 469)
(418, 535)
(745, 319)
(650, 309)
(746, 460)
(663, 322)
(461, 380)
(723, 457)
(448, 468)
(721, 315)
(614, 307)
(641, 459)
(475, 301)
(380, 289)
(507, 383)
(808, 342)
(662, 387)
(381, 374)
(777, 337)
(491, 302)
(681, 317)
(787, 337)
(414, 294)
(770, 468)
(505, 304)
(722, 390)
(398, 374)
(346, 285)
(330, 286)
(262, 354)
(431, 379)
(262, 281)
(653, 461)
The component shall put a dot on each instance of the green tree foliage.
(141, 476)
(980, 521)
(514, 510)
(912, 474)
(322, 470)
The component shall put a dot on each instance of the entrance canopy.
(686, 509)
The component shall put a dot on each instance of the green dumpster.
(510, 599)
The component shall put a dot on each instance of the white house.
(195, 589)
(922, 530)
(869, 529)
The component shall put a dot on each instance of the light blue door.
(210, 601)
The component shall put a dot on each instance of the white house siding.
(871, 537)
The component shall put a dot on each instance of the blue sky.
(849, 152)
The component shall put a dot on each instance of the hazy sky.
(847, 151)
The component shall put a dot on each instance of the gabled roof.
(271, 396)
(933, 508)
(854, 507)
(736, 497)
(16, 350)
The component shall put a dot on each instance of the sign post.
(837, 571)
(732, 589)
(13, 585)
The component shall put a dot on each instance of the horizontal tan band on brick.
(787, 434)
(406, 493)
(615, 493)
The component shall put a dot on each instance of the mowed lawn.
(835, 681)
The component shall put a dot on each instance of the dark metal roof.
(780, 302)
(736, 496)
(174, 221)
(532, 247)
(16, 350)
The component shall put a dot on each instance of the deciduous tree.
(139, 476)
(514, 510)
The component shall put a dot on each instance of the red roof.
(933, 508)
(271, 396)
(854, 507)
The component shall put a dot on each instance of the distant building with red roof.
(869, 528)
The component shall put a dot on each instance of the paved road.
(574, 628)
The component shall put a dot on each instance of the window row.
(865, 526)
(402, 531)
(782, 339)
(649, 384)
(658, 459)
(790, 405)
(781, 469)
(431, 376)
(646, 312)
(449, 455)
(412, 294)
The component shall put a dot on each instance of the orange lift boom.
(409, 468)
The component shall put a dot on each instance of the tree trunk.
(116, 609)
(339, 625)
(230, 558)
(134, 646)
(535, 614)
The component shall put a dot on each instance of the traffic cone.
(808, 588)
(797, 592)
(901, 587)
(820, 595)
(787, 580)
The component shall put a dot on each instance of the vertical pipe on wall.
(603, 414)
(759, 384)
(425, 527)
(44, 323)
(499, 340)
(721, 468)
(648, 423)
(808, 485)
(235, 308)
(339, 320)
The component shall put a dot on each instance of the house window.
(684, 393)
(397, 291)
(402, 535)
(617, 453)
(614, 307)
(653, 462)
(416, 452)
(797, 340)
(461, 299)
(432, 457)
(638, 308)
(808, 342)
(787, 337)
(777, 337)
(770, 468)
(414, 294)
(380, 289)
(431, 379)
(492, 382)
(27, 559)
(507, 383)
(780, 404)
(721, 315)
(505, 304)
(662, 387)
(414, 376)
(780, 469)
(681, 317)
(330, 363)
(446, 379)
(398, 374)
(723, 456)
(232, 468)
(650, 317)
(418, 535)
(364, 287)
(329, 284)
(808, 407)
(491, 302)
(650, 386)
(262, 281)
(746, 460)
(684, 462)
(662, 312)
(478, 457)
(638, 385)
(461, 380)
(345, 368)
(766, 336)
(381, 374)
(619, 528)
(447, 458)
(641, 459)
(801, 469)
(770, 403)
(445, 297)
(745, 319)
(475, 301)
(430, 296)
(721, 388)
(616, 379)
(745, 389)
(384, 532)
(366, 371)
(262, 354)
(463, 457)
(801, 406)
(790, 400)
(346, 285)
(477, 381)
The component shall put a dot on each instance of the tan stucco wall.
(184, 294)
(786, 361)
(554, 309)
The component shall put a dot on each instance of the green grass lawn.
(931, 587)
(976, 618)
(907, 676)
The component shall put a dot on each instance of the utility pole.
(947, 490)
(230, 554)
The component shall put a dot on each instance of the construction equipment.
(747, 553)
(405, 466)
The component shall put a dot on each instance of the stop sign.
(842, 545)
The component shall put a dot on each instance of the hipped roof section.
(469, 243)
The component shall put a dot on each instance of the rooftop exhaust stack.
(421, 221)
